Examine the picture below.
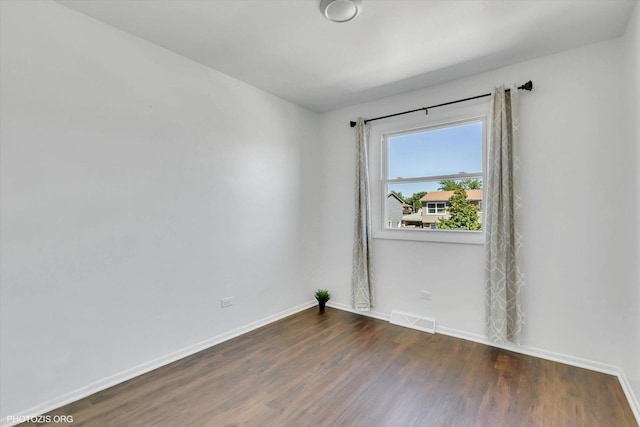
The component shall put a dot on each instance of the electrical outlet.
(425, 295)
(226, 302)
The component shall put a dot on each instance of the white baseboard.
(530, 351)
(631, 397)
(533, 351)
(345, 307)
(143, 368)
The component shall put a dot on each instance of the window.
(436, 208)
(435, 165)
(438, 169)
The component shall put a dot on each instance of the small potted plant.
(322, 295)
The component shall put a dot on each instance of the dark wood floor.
(342, 369)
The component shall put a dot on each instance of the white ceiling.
(287, 48)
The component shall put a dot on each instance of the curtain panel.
(361, 277)
(504, 278)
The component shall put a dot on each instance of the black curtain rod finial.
(352, 123)
(527, 86)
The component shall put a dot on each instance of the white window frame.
(435, 208)
(380, 132)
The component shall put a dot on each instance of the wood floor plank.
(343, 369)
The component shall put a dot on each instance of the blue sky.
(436, 152)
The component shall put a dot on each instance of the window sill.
(435, 236)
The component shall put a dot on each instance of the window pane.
(444, 151)
(427, 205)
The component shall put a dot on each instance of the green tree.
(449, 185)
(466, 184)
(415, 200)
(472, 184)
(463, 215)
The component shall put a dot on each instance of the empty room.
(320, 212)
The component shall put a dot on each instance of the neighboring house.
(435, 204)
(396, 208)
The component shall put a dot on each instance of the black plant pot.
(321, 304)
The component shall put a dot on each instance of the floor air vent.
(412, 321)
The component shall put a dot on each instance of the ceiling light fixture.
(340, 10)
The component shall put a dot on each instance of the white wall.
(138, 189)
(631, 321)
(578, 162)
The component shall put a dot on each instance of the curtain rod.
(527, 86)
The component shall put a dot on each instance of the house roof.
(415, 217)
(443, 196)
(398, 198)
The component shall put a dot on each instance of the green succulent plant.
(322, 294)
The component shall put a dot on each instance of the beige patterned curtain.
(503, 272)
(361, 286)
